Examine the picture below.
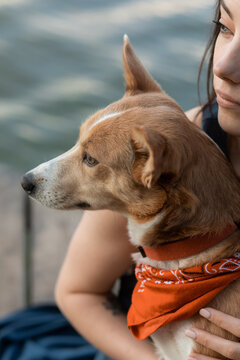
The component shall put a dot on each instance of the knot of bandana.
(162, 296)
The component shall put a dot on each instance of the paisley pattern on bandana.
(147, 273)
(162, 296)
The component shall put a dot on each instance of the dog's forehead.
(110, 112)
(109, 130)
(105, 117)
(95, 124)
(106, 131)
(146, 101)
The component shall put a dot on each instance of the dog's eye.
(89, 161)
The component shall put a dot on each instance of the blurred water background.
(61, 60)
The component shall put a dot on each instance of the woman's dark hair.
(208, 56)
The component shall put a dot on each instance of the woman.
(225, 49)
(100, 252)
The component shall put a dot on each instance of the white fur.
(49, 168)
(105, 117)
(46, 176)
(136, 230)
(167, 265)
(171, 342)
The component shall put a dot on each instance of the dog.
(142, 157)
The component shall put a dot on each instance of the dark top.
(211, 127)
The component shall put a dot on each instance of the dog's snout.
(28, 183)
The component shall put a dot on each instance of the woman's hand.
(227, 348)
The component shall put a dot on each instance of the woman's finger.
(223, 320)
(195, 356)
(222, 346)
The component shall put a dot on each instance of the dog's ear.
(137, 79)
(153, 156)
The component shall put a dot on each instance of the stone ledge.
(52, 233)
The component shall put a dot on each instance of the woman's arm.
(98, 254)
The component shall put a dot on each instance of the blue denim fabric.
(43, 333)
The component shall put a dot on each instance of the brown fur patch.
(147, 206)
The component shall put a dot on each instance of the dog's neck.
(187, 246)
(228, 243)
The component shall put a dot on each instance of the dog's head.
(128, 156)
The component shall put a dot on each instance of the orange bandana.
(162, 296)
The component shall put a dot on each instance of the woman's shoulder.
(195, 115)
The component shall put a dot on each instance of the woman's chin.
(229, 120)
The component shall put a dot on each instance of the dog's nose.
(27, 183)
